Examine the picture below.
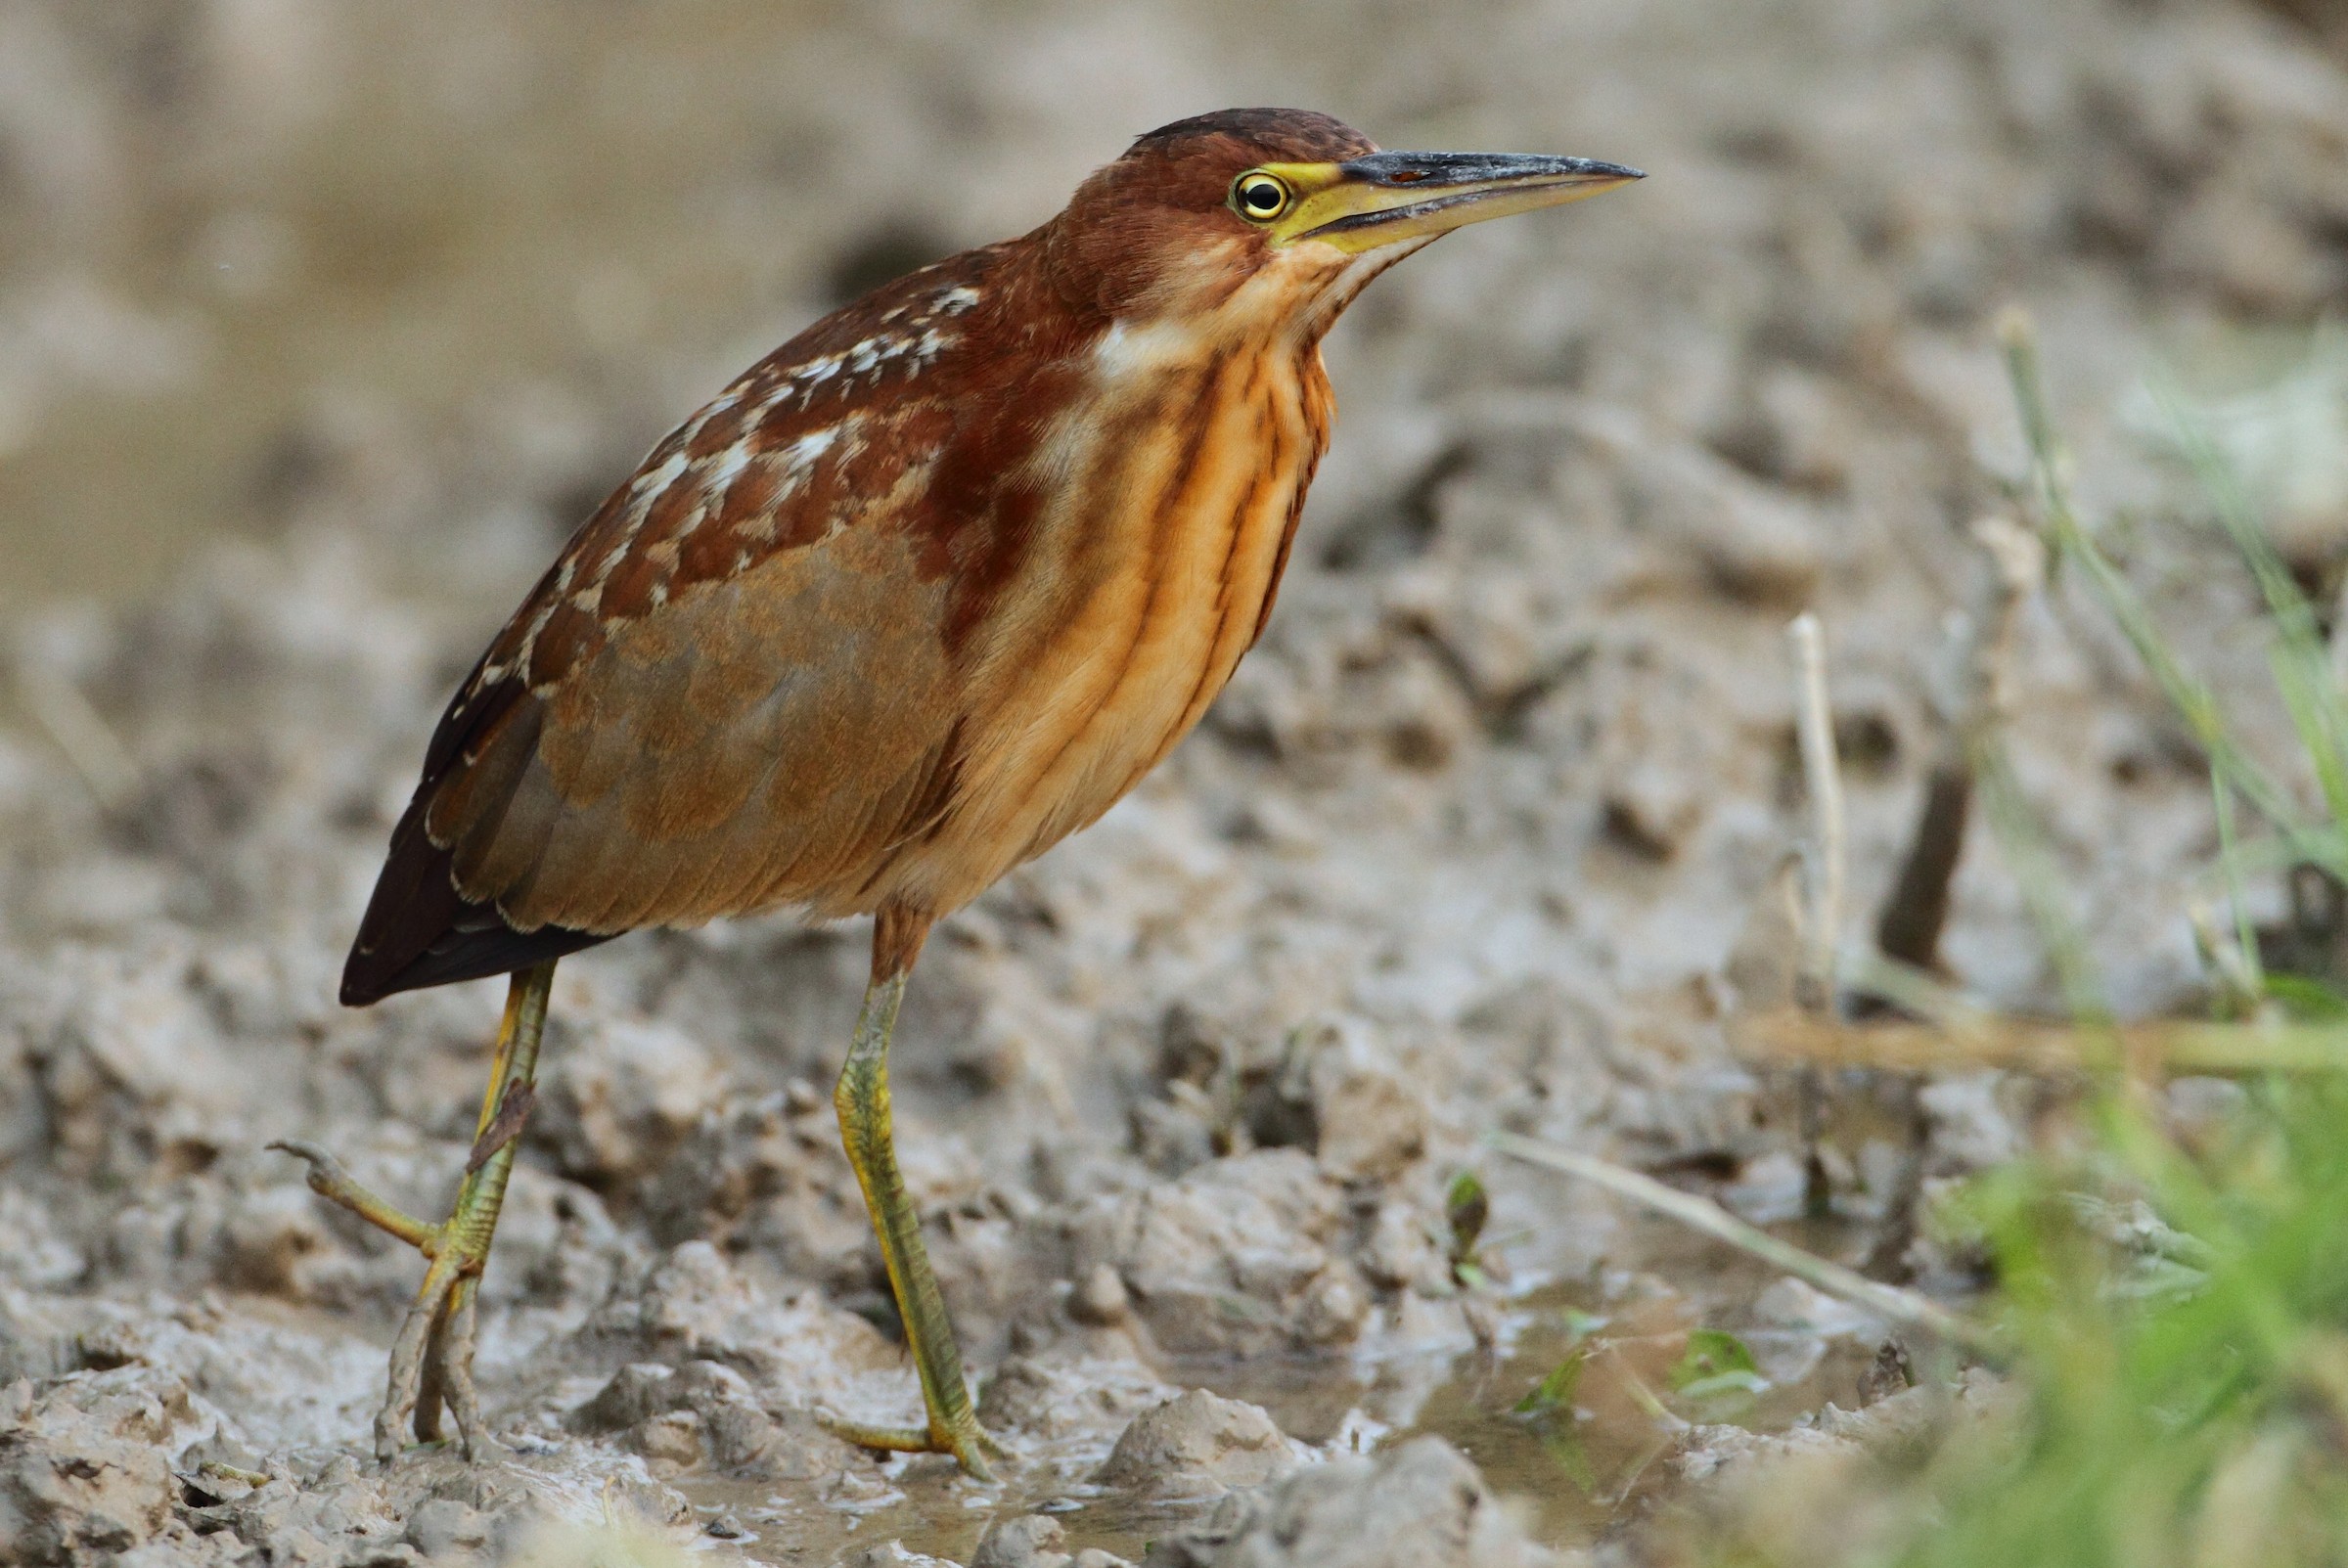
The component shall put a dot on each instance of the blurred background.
(440, 268)
(485, 254)
(321, 324)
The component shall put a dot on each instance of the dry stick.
(2039, 1046)
(81, 733)
(1815, 984)
(1919, 993)
(1889, 1302)
(1915, 910)
(1822, 779)
(1969, 696)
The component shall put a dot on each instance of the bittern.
(924, 592)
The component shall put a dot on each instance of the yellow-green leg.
(862, 1101)
(432, 1359)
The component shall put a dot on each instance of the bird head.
(1285, 212)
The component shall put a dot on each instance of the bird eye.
(1259, 198)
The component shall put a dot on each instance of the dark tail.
(419, 931)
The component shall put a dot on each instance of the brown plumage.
(920, 594)
(923, 591)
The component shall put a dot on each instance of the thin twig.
(1889, 1302)
(2339, 638)
(2042, 1045)
(1969, 695)
(1822, 779)
(2019, 565)
(80, 732)
(1914, 990)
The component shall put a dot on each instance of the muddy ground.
(322, 327)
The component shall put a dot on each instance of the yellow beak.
(1385, 198)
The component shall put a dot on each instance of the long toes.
(884, 1439)
(972, 1448)
(454, 1354)
(969, 1444)
(973, 1464)
(329, 1181)
(410, 1353)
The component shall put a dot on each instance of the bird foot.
(966, 1439)
(432, 1359)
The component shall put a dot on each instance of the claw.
(404, 1400)
(432, 1359)
(969, 1443)
(460, 1326)
(329, 1181)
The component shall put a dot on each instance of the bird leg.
(432, 1359)
(863, 1102)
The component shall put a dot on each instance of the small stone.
(891, 1554)
(739, 1435)
(1176, 1133)
(1061, 1399)
(1100, 1298)
(1418, 1505)
(1371, 1123)
(1399, 1253)
(1257, 1226)
(1769, 1190)
(636, 1391)
(1027, 1542)
(268, 1235)
(441, 1526)
(702, 1383)
(1196, 1446)
(670, 1441)
(1334, 1309)
(84, 1476)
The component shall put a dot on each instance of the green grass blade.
(2196, 704)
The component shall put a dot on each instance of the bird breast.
(1167, 500)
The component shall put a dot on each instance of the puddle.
(1578, 1469)
(1573, 1472)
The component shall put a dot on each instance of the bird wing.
(736, 687)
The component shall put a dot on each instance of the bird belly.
(1175, 536)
